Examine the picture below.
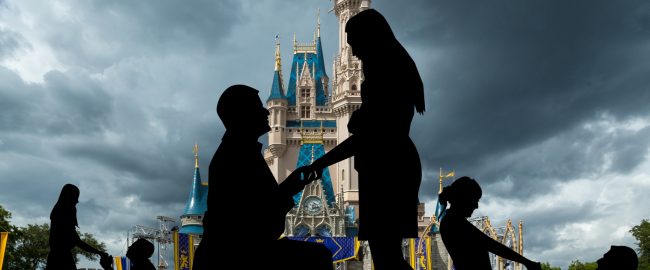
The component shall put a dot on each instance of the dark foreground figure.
(139, 253)
(618, 258)
(466, 244)
(389, 171)
(63, 232)
(242, 186)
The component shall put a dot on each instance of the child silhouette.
(466, 244)
(139, 253)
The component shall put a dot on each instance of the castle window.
(305, 112)
(354, 87)
(305, 93)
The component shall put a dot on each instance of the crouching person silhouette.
(139, 253)
(467, 245)
(246, 206)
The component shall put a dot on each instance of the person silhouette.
(63, 233)
(618, 258)
(139, 253)
(388, 166)
(250, 205)
(466, 244)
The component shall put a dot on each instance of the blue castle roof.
(197, 205)
(314, 59)
(277, 89)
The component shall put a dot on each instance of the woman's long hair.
(372, 29)
(65, 209)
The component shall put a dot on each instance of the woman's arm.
(503, 251)
(340, 152)
(88, 248)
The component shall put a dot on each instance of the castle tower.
(303, 109)
(197, 204)
(277, 105)
(346, 96)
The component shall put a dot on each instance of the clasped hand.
(299, 178)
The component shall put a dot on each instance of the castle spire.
(305, 66)
(278, 62)
(277, 87)
(318, 23)
(196, 156)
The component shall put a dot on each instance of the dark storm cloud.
(65, 104)
(560, 216)
(580, 152)
(506, 75)
(9, 42)
(117, 29)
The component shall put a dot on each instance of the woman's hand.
(312, 172)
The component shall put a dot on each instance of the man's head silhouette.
(242, 111)
(619, 258)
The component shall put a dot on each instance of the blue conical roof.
(195, 205)
(277, 90)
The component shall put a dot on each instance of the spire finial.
(196, 155)
(305, 65)
(294, 42)
(278, 62)
(318, 23)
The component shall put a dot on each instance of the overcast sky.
(545, 103)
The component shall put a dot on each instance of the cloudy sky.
(545, 103)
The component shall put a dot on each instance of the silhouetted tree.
(547, 266)
(31, 247)
(578, 265)
(5, 226)
(5, 216)
(642, 233)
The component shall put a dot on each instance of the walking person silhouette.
(388, 165)
(246, 207)
(466, 244)
(63, 232)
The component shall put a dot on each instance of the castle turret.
(191, 220)
(277, 105)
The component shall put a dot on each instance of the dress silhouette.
(618, 258)
(63, 233)
(387, 162)
(466, 244)
(246, 206)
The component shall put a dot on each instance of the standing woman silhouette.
(386, 159)
(466, 244)
(63, 232)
